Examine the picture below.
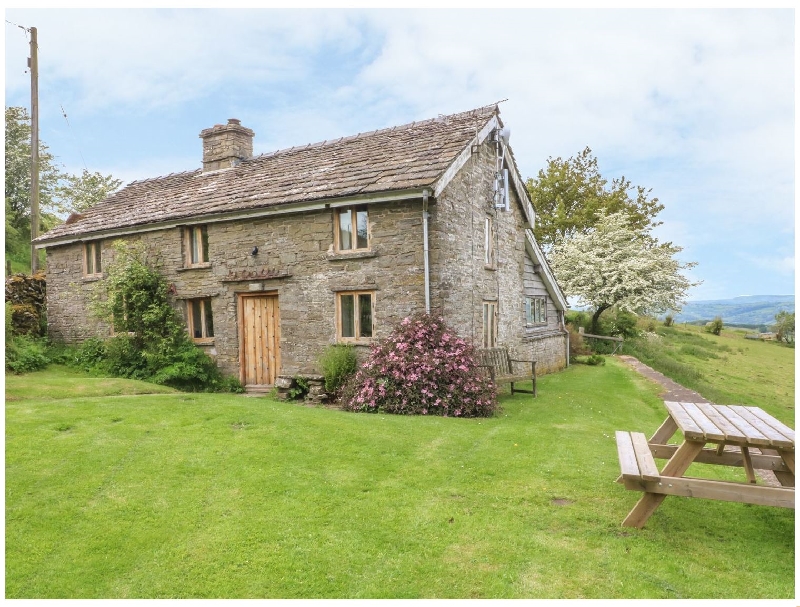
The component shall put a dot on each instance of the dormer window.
(352, 229)
(195, 246)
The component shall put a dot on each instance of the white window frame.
(535, 311)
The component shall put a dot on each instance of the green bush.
(668, 320)
(89, 355)
(25, 354)
(623, 324)
(715, 326)
(338, 362)
(578, 318)
(300, 388)
(594, 359)
(152, 343)
(422, 368)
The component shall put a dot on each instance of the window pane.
(89, 251)
(485, 325)
(487, 241)
(365, 315)
(204, 242)
(345, 230)
(197, 319)
(347, 304)
(492, 336)
(97, 250)
(362, 242)
(208, 318)
(195, 245)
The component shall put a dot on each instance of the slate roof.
(404, 157)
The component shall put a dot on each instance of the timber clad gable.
(276, 256)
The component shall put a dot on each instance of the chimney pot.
(234, 121)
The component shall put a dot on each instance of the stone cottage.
(273, 257)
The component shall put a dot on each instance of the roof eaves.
(548, 278)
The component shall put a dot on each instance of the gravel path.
(676, 392)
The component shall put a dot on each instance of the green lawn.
(114, 493)
(726, 369)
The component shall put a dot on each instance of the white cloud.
(698, 105)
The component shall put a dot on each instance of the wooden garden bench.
(501, 369)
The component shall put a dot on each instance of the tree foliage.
(618, 264)
(784, 326)
(151, 342)
(60, 193)
(18, 179)
(76, 193)
(569, 195)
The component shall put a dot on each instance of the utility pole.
(33, 64)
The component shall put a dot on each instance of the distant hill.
(744, 310)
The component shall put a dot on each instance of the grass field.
(726, 369)
(112, 492)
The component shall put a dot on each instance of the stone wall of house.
(462, 281)
(299, 246)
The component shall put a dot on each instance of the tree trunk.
(596, 318)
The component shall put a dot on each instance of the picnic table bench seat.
(640, 473)
(636, 461)
(500, 366)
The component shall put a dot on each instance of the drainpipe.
(425, 194)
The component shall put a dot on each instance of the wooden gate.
(259, 340)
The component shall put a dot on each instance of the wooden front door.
(259, 339)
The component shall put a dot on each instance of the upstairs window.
(195, 243)
(488, 243)
(352, 229)
(92, 265)
(200, 320)
(355, 318)
(535, 310)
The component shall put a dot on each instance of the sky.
(697, 105)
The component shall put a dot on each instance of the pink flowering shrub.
(422, 368)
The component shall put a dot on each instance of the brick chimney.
(225, 145)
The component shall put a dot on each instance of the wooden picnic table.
(745, 437)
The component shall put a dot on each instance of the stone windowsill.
(488, 266)
(197, 266)
(92, 277)
(203, 341)
(364, 341)
(342, 255)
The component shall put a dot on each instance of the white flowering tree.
(614, 264)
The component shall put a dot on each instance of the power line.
(75, 141)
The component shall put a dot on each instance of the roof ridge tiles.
(146, 179)
(363, 134)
